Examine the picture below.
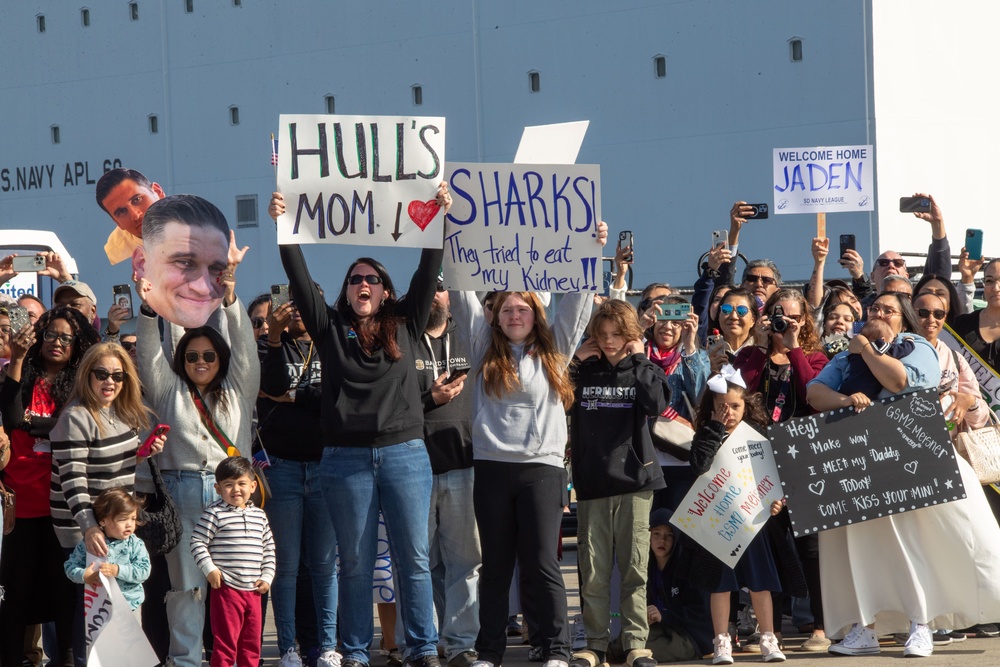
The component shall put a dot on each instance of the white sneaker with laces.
(769, 648)
(579, 633)
(556, 663)
(329, 659)
(859, 641)
(482, 663)
(921, 642)
(291, 659)
(723, 650)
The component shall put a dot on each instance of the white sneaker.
(579, 633)
(769, 648)
(482, 663)
(329, 659)
(859, 641)
(921, 642)
(723, 650)
(556, 663)
(291, 659)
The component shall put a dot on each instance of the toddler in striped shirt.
(233, 546)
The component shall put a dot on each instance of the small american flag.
(261, 459)
(274, 151)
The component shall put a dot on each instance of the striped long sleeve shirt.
(236, 541)
(85, 462)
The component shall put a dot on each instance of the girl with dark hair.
(723, 408)
(522, 390)
(207, 395)
(373, 422)
(944, 289)
(39, 381)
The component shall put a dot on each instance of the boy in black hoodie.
(615, 473)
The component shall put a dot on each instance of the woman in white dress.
(931, 568)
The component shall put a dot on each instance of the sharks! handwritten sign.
(523, 228)
(361, 180)
(842, 467)
(728, 505)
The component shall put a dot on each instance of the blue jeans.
(299, 516)
(192, 493)
(455, 559)
(357, 482)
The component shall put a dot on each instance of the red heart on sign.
(422, 212)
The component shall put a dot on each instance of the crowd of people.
(295, 438)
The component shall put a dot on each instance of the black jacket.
(290, 430)
(368, 400)
(612, 451)
(447, 427)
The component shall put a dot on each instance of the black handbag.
(159, 523)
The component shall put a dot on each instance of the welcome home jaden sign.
(842, 467)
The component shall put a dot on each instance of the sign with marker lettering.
(728, 505)
(842, 467)
(526, 228)
(824, 179)
(360, 180)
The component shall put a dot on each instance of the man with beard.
(289, 430)
(455, 553)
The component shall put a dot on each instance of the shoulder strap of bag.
(213, 429)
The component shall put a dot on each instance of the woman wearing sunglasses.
(207, 393)
(373, 422)
(94, 446)
(40, 376)
(734, 320)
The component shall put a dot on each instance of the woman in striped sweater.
(94, 446)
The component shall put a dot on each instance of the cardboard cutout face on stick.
(183, 263)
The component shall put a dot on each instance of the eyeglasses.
(883, 310)
(208, 355)
(371, 279)
(102, 375)
(256, 322)
(728, 308)
(755, 278)
(924, 313)
(797, 318)
(52, 336)
(898, 262)
(128, 345)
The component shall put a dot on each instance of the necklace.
(994, 323)
(107, 414)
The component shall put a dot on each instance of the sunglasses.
(102, 375)
(924, 313)
(371, 279)
(52, 336)
(208, 355)
(898, 263)
(256, 322)
(128, 345)
(728, 308)
(753, 278)
(647, 303)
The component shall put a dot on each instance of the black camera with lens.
(778, 322)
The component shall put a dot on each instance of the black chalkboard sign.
(842, 467)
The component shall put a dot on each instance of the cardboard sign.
(988, 379)
(828, 179)
(523, 228)
(842, 467)
(558, 143)
(361, 180)
(728, 505)
(113, 635)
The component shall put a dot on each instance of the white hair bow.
(719, 382)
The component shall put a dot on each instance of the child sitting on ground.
(127, 560)
(233, 546)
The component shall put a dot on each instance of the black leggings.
(36, 590)
(519, 511)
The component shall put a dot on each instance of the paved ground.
(972, 652)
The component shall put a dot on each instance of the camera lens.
(778, 324)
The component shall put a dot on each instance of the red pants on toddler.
(236, 621)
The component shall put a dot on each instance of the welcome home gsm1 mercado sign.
(824, 179)
(361, 180)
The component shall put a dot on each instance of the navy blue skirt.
(755, 570)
